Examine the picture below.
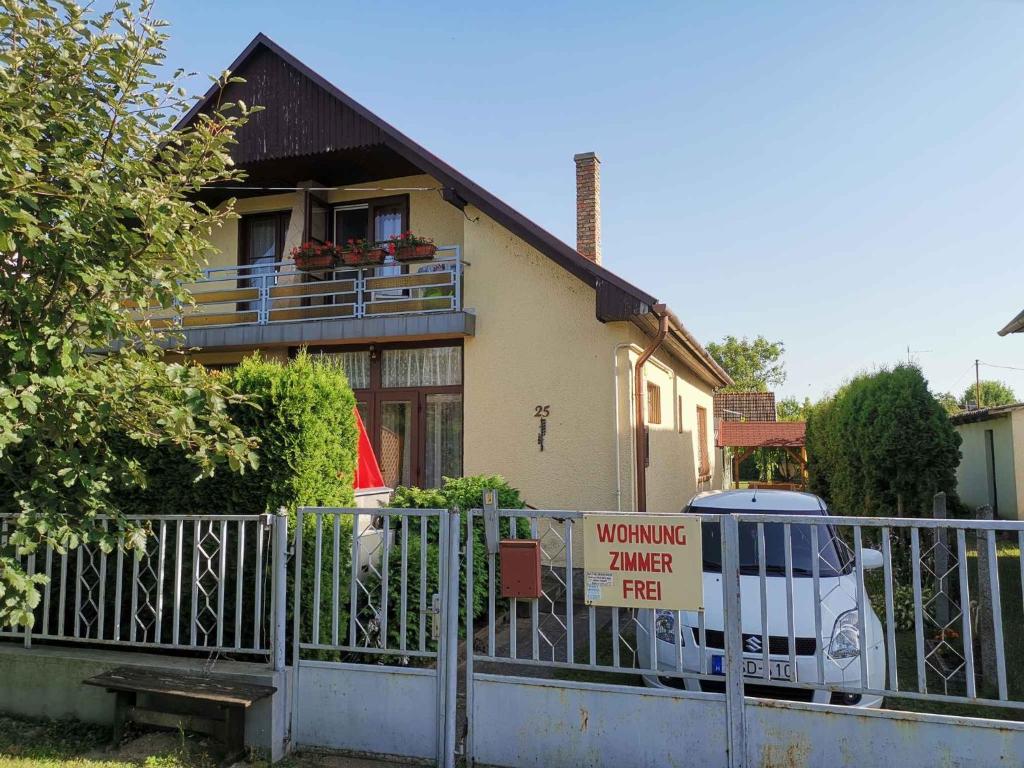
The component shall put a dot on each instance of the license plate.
(753, 666)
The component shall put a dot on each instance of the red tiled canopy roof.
(761, 434)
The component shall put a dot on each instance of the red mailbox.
(520, 568)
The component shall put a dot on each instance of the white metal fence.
(798, 608)
(200, 583)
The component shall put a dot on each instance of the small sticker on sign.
(595, 583)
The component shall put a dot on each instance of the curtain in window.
(355, 365)
(429, 367)
(443, 450)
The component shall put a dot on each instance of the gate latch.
(435, 616)
(491, 520)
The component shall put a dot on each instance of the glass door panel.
(443, 437)
(387, 223)
(260, 253)
(397, 441)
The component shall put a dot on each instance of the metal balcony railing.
(277, 292)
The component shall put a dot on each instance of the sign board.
(643, 561)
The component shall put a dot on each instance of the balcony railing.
(262, 294)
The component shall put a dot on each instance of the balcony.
(275, 303)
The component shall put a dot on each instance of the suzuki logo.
(752, 644)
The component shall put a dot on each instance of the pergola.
(745, 437)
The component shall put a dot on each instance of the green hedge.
(302, 413)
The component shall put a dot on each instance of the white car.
(842, 640)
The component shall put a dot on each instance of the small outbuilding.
(992, 468)
(745, 437)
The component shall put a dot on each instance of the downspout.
(640, 450)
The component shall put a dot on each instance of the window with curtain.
(443, 449)
(426, 367)
(355, 365)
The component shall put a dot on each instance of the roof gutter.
(639, 425)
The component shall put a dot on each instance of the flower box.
(357, 257)
(308, 262)
(420, 252)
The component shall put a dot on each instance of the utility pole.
(977, 382)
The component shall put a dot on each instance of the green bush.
(881, 444)
(465, 493)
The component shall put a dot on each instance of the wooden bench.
(172, 699)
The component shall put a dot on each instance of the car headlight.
(665, 626)
(845, 643)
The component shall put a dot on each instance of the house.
(507, 352)
(991, 470)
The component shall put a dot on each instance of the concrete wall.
(531, 723)
(46, 682)
(972, 475)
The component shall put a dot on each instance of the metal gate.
(375, 631)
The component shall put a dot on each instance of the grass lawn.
(45, 744)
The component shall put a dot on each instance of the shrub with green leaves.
(882, 445)
(465, 493)
(302, 415)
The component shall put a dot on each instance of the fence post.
(31, 573)
(280, 582)
(986, 636)
(736, 739)
(941, 561)
(451, 639)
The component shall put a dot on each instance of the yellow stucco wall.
(973, 473)
(538, 343)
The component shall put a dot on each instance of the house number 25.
(541, 411)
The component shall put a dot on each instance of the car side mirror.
(870, 559)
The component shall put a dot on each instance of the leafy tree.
(882, 445)
(993, 393)
(754, 365)
(948, 402)
(791, 409)
(98, 213)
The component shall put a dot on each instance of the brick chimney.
(588, 205)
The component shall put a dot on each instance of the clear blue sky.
(847, 177)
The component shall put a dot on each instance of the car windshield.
(832, 561)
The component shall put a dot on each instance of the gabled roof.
(745, 406)
(761, 434)
(353, 127)
(1014, 326)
